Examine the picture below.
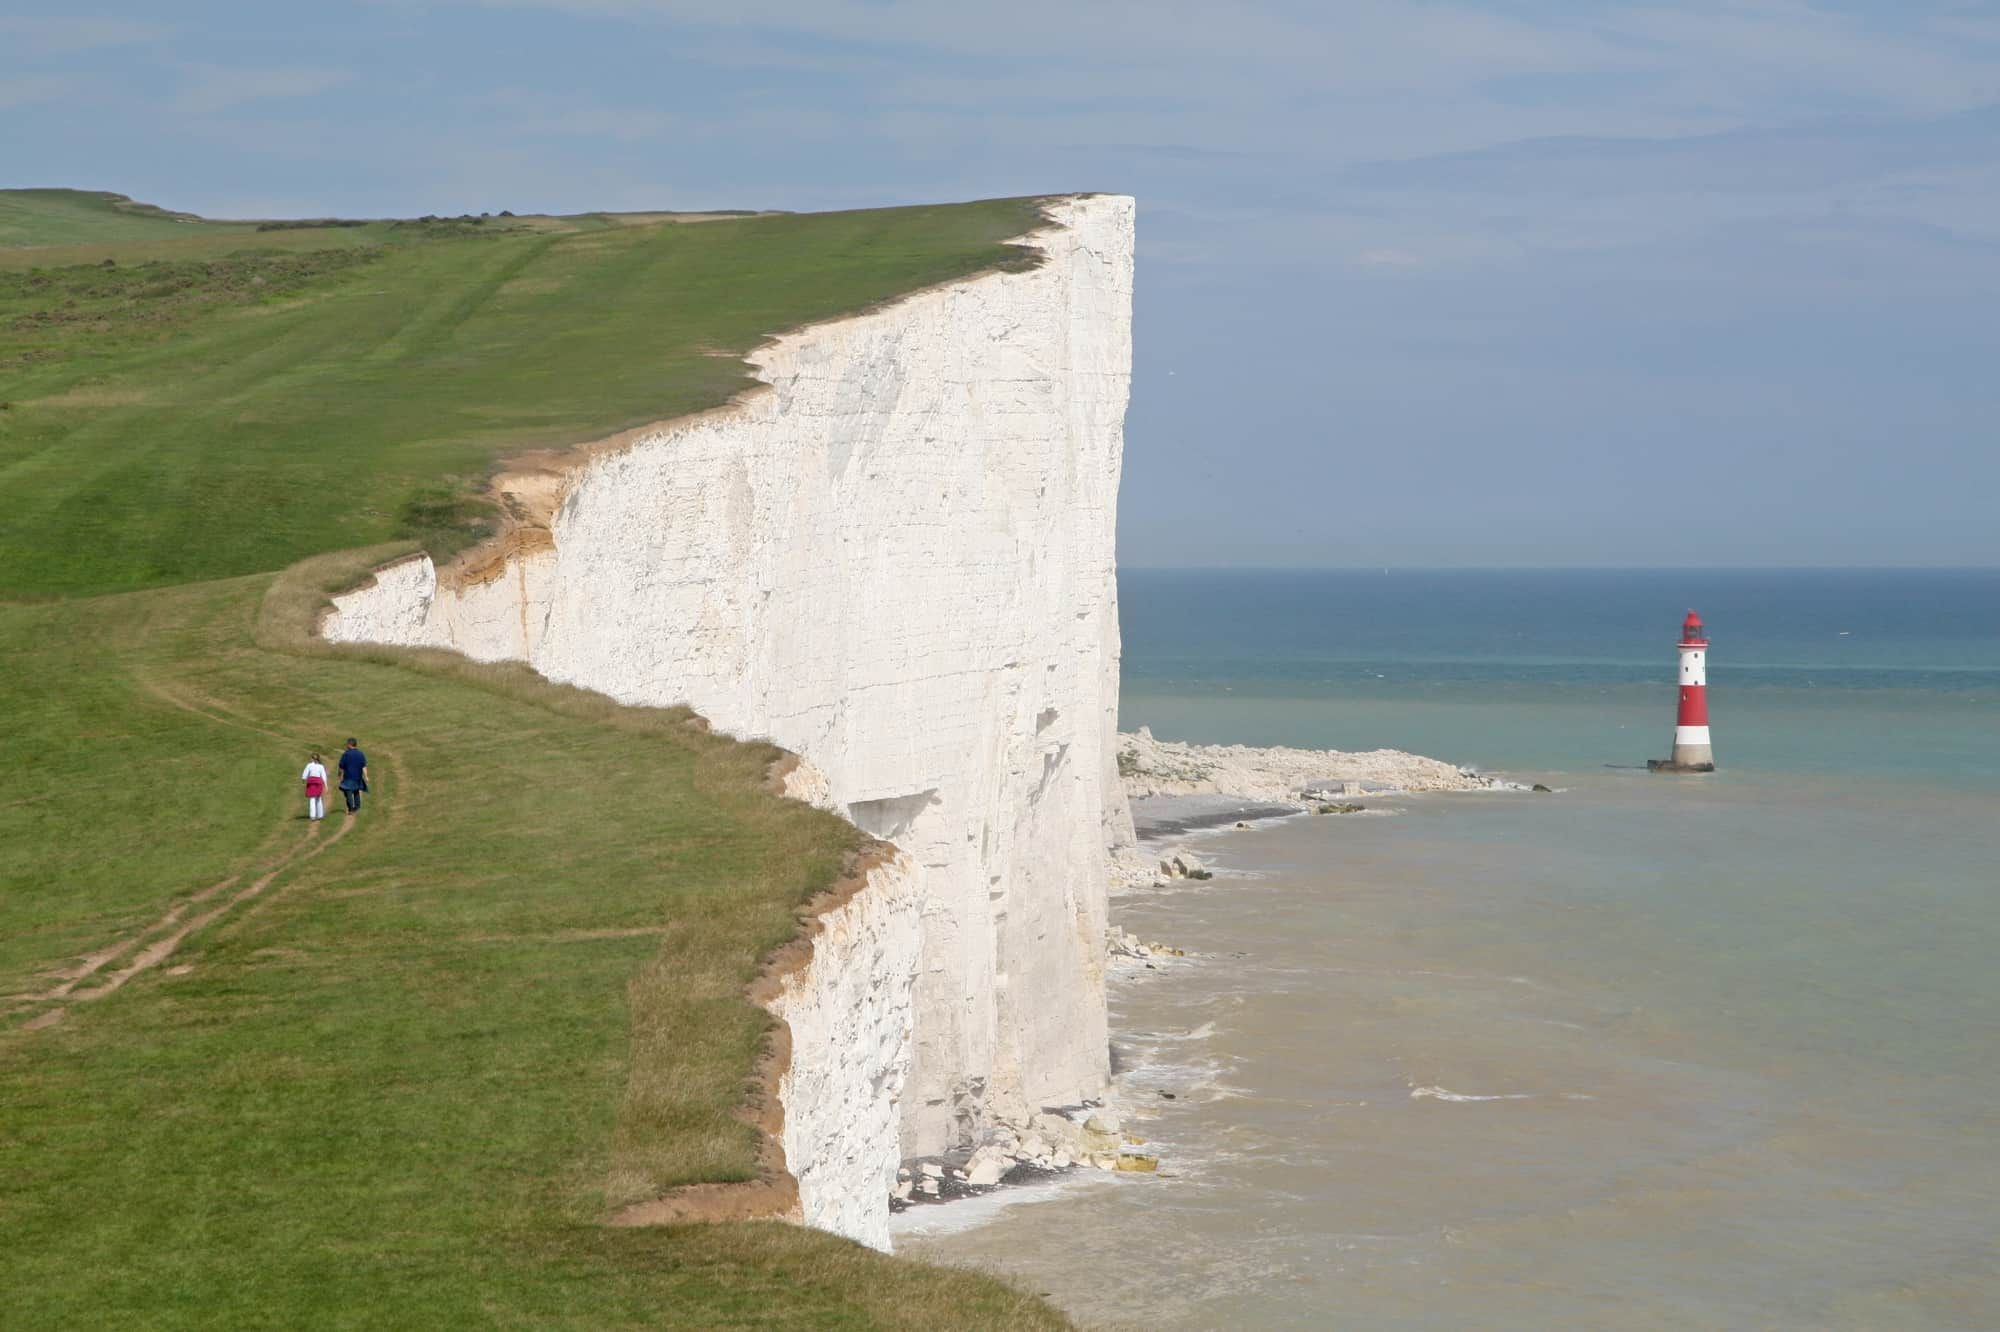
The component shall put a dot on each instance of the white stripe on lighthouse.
(1690, 735)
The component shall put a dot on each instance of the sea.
(1643, 1051)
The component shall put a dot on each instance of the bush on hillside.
(445, 519)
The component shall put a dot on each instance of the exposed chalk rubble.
(1153, 767)
(1124, 943)
(1048, 1143)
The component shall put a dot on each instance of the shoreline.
(1158, 819)
(1155, 1072)
(1153, 768)
(1177, 790)
(1174, 791)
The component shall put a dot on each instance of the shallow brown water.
(1531, 1062)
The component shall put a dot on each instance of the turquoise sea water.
(1653, 1051)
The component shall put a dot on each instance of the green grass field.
(396, 1073)
(229, 412)
(88, 217)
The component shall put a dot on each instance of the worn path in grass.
(157, 942)
(407, 1083)
(399, 1076)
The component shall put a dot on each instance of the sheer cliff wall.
(896, 561)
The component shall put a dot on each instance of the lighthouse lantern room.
(1691, 751)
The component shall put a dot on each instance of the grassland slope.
(211, 415)
(82, 217)
(401, 1076)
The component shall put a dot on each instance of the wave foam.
(1441, 1094)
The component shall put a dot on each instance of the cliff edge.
(896, 560)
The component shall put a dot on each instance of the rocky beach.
(1176, 788)
(1153, 769)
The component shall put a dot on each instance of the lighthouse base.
(1687, 758)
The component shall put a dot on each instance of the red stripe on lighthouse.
(1694, 705)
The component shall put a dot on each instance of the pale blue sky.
(1512, 282)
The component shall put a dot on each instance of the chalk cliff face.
(897, 562)
(850, 1016)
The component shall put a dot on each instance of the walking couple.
(353, 781)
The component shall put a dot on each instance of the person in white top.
(315, 779)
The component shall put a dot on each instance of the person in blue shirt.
(353, 775)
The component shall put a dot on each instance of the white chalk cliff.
(896, 561)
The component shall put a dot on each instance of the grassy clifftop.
(261, 1072)
(216, 405)
(83, 217)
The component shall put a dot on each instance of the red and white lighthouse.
(1691, 748)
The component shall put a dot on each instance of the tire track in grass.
(91, 963)
(157, 942)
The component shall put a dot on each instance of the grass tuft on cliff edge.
(397, 1073)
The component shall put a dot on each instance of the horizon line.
(1558, 568)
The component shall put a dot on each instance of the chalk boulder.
(1184, 864)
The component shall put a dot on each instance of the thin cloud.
(1388, 260)
(62, 36)
(1744, 162)
(528, 113)
(1659, 60)
(34, 90)
(215, 88)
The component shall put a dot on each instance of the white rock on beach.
(1153, 767)
(988, 1164)
(1053, 1127)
